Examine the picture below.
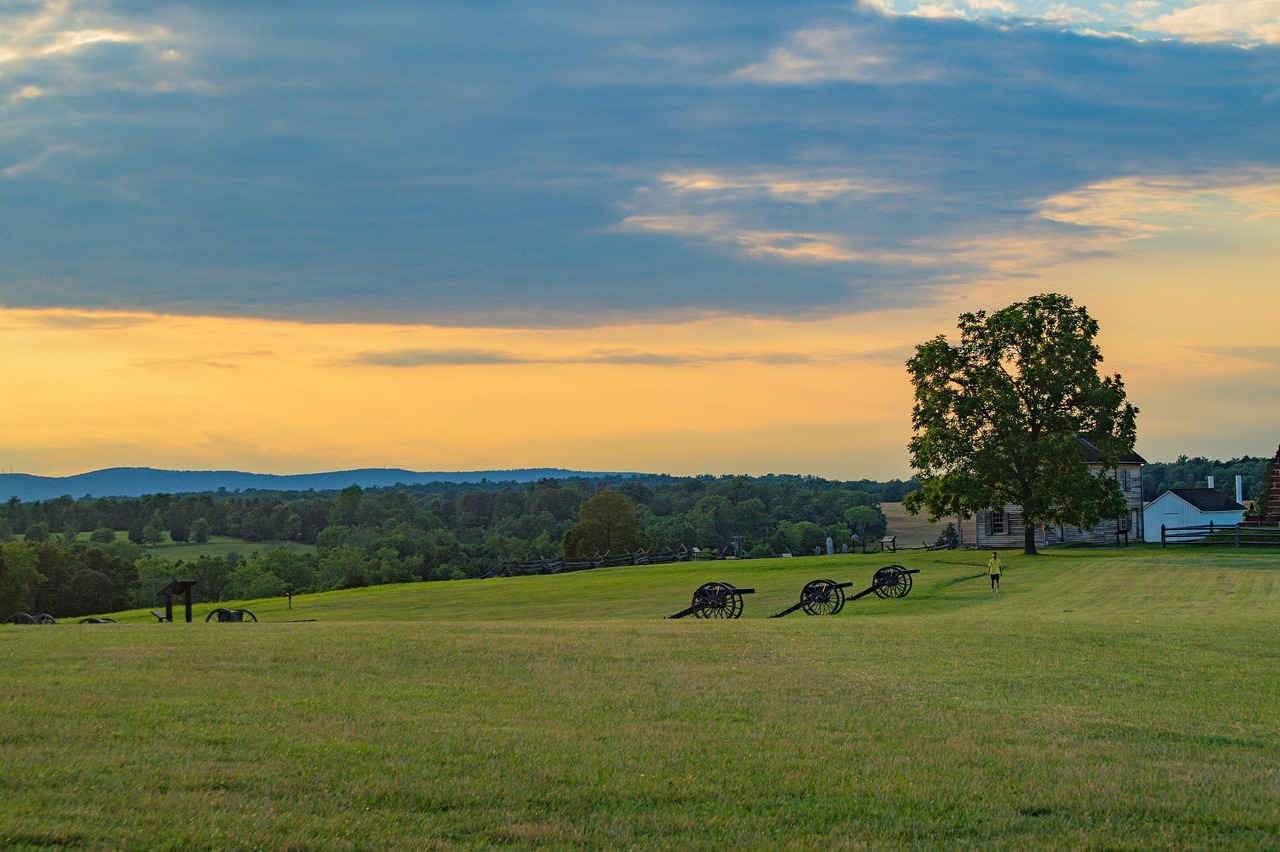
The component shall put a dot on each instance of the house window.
(1125, 482)
(997, 523)
(1123, 523)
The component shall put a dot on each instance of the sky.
(686, 237)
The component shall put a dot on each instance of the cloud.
(59, 41)
(232, 361)
(1257, 357)
(1137, 206)
(1248, 22)
(797, 187)
(565, 164)
(827, 55)
(452, 357)
(77, 321)
(764, 245)
(1226, 20)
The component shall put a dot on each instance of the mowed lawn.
(1105, 699)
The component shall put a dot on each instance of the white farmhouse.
(1189, 507)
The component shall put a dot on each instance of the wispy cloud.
(797, 187)
(1259, 357)
(447, 357)
(1225, 20)
(1139, 206)
(1236, 21)
(834, 55)
(78, 321)
(44, 40)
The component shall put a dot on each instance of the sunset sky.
(675, 237)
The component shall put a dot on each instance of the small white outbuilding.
(1189, 507)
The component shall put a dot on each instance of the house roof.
(1207, 499)
(1091, 453)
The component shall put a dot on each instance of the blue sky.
(577, 163)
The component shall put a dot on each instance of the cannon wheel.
(224, 614)
(92, 620)
(717, 600)
(892, 581)
(20, 618)
(43, 618)
(825, 597)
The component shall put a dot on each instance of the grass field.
(1105, 699)
(915, 530)
(221, 546)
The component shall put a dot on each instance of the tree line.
(1184, 472)
(72, 561)
(72, 557)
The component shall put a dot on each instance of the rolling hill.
(137, 481)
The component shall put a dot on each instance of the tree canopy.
(608, 522)
(1002, 418)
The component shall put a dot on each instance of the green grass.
(1105, 699)
(217, 546)
(221, 546)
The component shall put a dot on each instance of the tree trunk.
(1028, 522)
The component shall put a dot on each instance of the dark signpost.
(177, 587)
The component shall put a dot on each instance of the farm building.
(1190, 507)
(1004, 527)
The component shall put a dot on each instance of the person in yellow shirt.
(994, 569)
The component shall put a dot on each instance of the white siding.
(1172, 511)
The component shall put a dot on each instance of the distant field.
(1105, 699)
(222, 546)
(218, 545)
(915, 530)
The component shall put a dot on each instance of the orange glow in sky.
(1191, 330)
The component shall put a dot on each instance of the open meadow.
(1105, 699)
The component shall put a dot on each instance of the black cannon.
(827, 597)
(715, 600)
(31, 618)
(819, 597)
(892, 581)
(224, 614)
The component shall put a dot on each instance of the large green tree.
(1003, 418)
(607, 523)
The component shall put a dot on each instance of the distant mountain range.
(137, 481)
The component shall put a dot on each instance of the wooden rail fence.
(1235, 535)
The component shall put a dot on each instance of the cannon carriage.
(715, 600)
(827, 597)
